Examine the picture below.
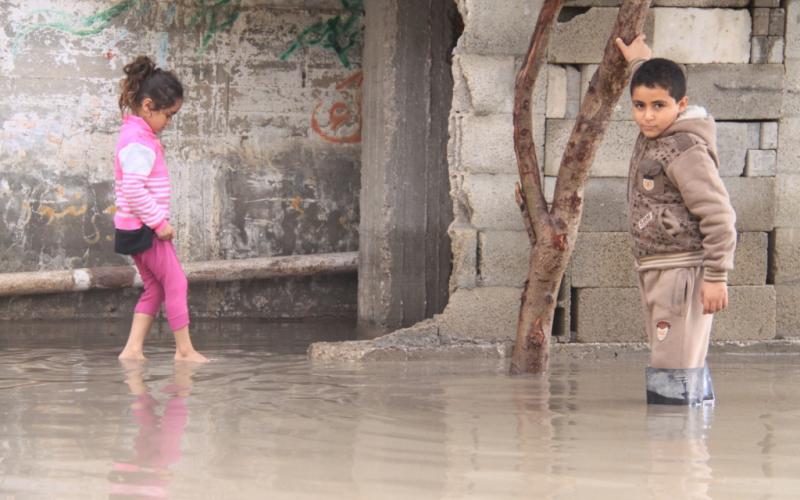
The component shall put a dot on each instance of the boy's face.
(654, 110)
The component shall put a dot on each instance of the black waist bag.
(133, 242)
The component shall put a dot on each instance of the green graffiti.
(217, 15)
(336, 34)
(74, 25)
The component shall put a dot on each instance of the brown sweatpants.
(677, 329)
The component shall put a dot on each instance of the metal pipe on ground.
(78, 280)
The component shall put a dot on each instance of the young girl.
(150, 98)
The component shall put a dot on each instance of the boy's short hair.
(662, 73)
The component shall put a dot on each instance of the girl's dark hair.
(144, 79)
(661, 73)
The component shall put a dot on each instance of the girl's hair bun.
(144, 79)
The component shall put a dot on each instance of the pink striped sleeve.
(136, 161)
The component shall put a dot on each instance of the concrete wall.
(404, 249)
(264, 156)
(743, 63)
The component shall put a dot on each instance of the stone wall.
(742, 60)
(264, 156)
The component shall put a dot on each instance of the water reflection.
(157, 445)
(679, 453)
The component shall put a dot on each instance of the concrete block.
(603, 260)
(771, 4)
(791, 89)
(490, 82)
(775, 48)
(787, 314)
(465, 257)
(623, 110)
(707, 4)
(491, 202)
(792, 29)
(504, 257)
(788, 202)
(750, 314)
(750, 260)
(605, 205)
(777, 22)
(766, 50)
(789, 151)
(487, 144)
(663, 3)
(761, 163)
(574, 94)
(488, 313)
(753, 199)
(702, 36)
(761, 21)
(733, 141)
(608, 315)
(615, 315)
(549, 189)
(583, 38)
(769, 136)
(461, 97)
(612, 158)
(786, 256)
(737, 91)
(556, 91)
(497, 28)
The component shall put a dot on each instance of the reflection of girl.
(158, 443)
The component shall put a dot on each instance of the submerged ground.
(262, 421)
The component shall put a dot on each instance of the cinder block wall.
(264, 156)
(743, 63)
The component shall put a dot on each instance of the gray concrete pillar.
(405, 204)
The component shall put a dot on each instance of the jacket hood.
(697, 121)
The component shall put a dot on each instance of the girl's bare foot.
(132, 355)
(191, 356)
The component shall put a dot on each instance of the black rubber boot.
(678, 386)
(708, 387)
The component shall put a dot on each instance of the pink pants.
(164, 281)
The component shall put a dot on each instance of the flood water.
(262, 421)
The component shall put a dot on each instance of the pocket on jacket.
(650, 178)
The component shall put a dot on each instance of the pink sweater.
(142, 181)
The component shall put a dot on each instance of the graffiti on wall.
(217, 16)
(338, 120)
(338, 34)
(214, 16)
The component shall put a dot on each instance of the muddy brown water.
(262, 421)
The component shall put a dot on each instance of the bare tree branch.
(556, 230)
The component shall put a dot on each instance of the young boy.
(682, 225)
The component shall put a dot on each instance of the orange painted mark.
(339, 121)
(111, 210)
(51, 214)
(53, 138)
(297, 205)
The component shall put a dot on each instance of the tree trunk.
(553, 232)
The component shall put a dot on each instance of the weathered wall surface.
(264, 156)
(743, 63)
